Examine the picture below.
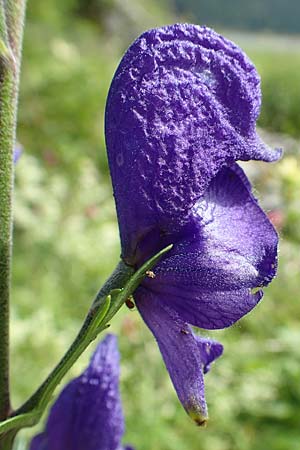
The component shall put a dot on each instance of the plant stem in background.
(11, 32)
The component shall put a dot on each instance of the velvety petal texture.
(181, 110)
(187, 357)
(183, 103)
(210, 276)
(88, 413)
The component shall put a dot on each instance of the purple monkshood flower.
(181, 109)
(88, 413)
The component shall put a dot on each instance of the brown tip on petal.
(199, 419)
(201, 422)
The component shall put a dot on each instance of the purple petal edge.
(186, 356)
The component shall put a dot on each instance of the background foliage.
(274, 15)
(66, 238)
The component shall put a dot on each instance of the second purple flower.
(88, 413)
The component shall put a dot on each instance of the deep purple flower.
(181, 109)
(88, 413)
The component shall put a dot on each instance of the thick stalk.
(11, 30)
(15, 15)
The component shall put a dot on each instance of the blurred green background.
(66, 237)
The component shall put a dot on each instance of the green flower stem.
(3, 29)
(122, 283)
(11, 32)
(15, 16)
(7, 441)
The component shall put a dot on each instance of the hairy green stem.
(43, 394)
(11, 31)
(15, 16)
(3, 27)
(122, 283)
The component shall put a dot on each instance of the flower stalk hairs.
(181, 110)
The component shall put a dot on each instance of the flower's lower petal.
(88, 413)
(231, 219)
(210, 310)
(210, 275)
(184, 356)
